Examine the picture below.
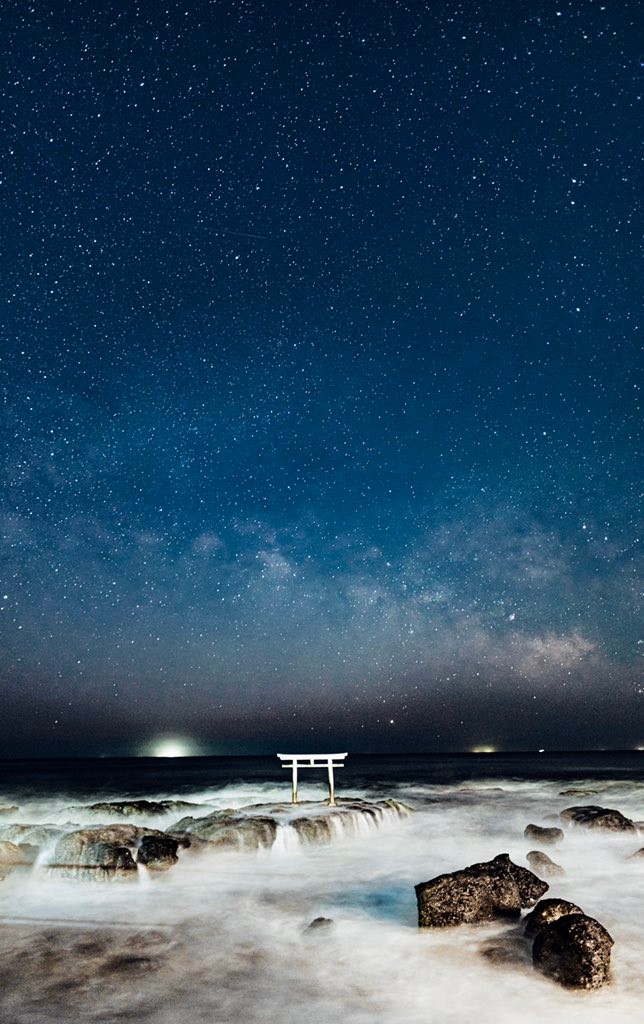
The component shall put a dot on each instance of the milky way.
(321, 376)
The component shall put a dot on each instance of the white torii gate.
(328, 761)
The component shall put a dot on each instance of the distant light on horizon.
(171, 748)
(483, 749)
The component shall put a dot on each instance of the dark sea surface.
(99, 778)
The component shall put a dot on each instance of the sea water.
(221, 937)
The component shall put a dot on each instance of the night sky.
(321, 376)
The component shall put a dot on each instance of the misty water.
(221, 936)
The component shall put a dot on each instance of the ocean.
(221, 937)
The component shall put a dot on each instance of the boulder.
(547, 911)
(542, 865)
(574, 950)
(157, 853)
(545, 836)
(94, 853)
(480, 892)
(601, 818)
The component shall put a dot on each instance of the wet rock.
(601, 818)
(577, 791)
(157, 853)
(545, 836)
(313, 830)
(10, 858)
(574, 950)
(29, 853)
(230, 829)
(35, 835)
(480, 892)
(542, 865)
(10, 854)
(547, 911)
(135, 808)
(10, 810)
(94, 853)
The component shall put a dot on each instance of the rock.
(10, 810)
(35, 835)
(29, 853)
(314, 829)
(319, 924)
(481, 892)
(637, 854)
(231, 829)
(577, 791)
(157, 853)
(598, 818)
(547, 911)
(98, 853)
(573, 950)
(136, 808)
(545, 836)
(10, 854)
(10, 857)
(542, 865)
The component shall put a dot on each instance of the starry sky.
(321, 376)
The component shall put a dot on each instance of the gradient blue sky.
(321, 376)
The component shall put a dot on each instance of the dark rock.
(577, 791)
(157, 853)
(545, 836)
(542, 865)
(481, 892)
(637, 854)
(573, 950)
(598, 818)
(319, 924)
(136, 808)
(547, 911)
